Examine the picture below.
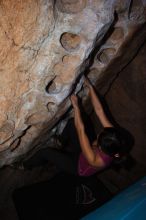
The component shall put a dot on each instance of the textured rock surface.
(45, 46)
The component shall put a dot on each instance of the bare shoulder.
(99, 162)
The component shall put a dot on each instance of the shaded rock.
(126, 100)
(45, 47)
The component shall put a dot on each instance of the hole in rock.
(104, 56)
(117, 34)
(93, 74)
(70, 41)
(51, 106)
(51, 87)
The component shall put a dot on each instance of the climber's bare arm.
(98, 106)
(87, 149)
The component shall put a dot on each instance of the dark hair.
(113, 141)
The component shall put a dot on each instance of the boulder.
(46, 46)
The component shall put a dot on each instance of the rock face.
(45, 47)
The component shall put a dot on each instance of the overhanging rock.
(45, 48)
